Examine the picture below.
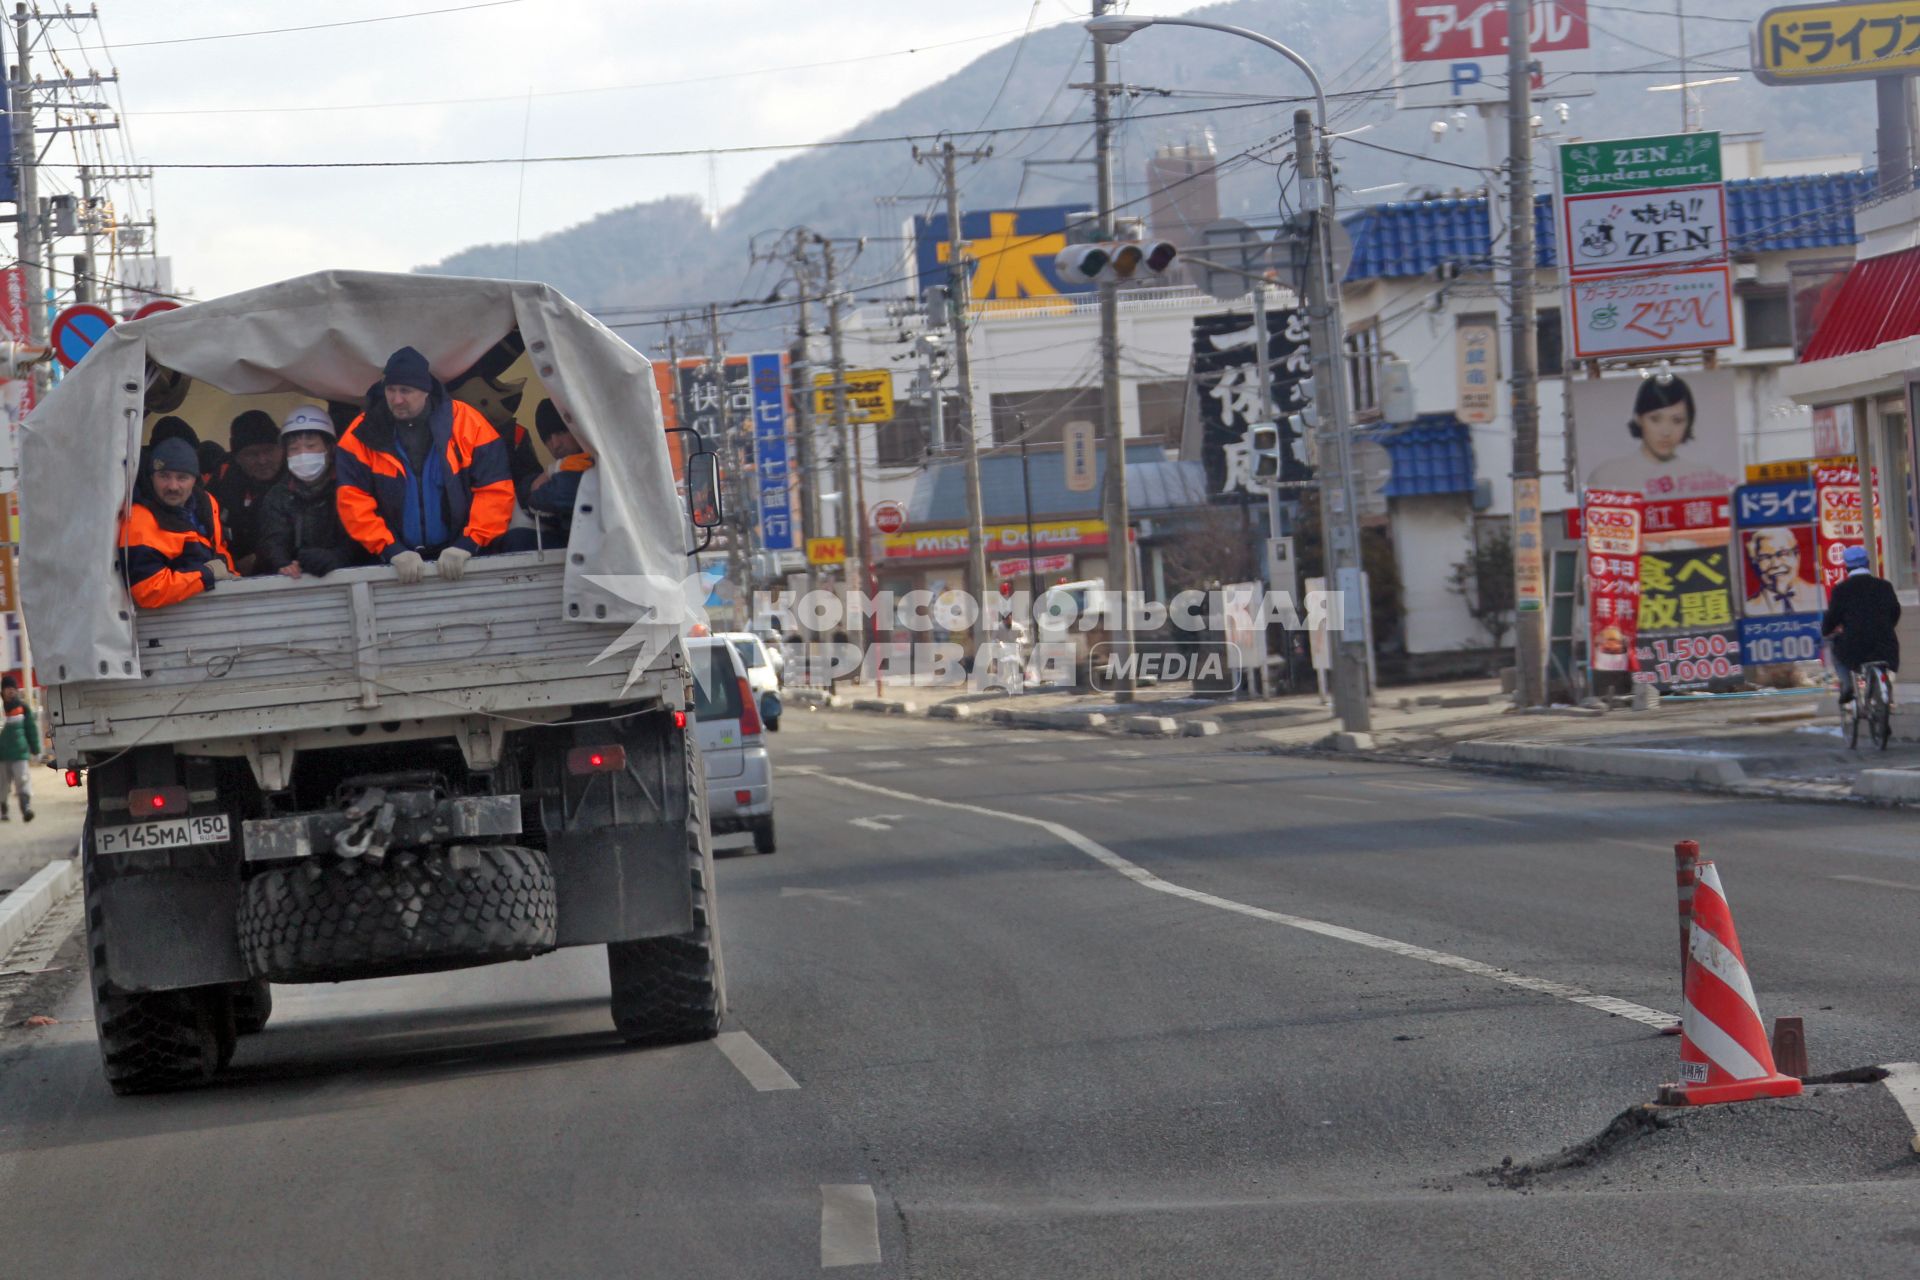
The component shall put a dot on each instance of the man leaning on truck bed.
(173, 543)
(422, 475)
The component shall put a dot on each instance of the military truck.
(342, 777)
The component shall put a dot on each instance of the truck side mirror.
(703, 490)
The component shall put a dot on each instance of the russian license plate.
(168, 833)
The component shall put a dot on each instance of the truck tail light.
(679, 719)
(743, 797)
(157, 802)
(607, 759)
(73, 777)
(749, 711)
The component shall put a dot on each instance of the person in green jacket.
(19, 747)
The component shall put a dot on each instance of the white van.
(729, 716)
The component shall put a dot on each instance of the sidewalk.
(58, 811)
(1777, 742)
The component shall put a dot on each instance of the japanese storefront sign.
(1780, 583)
(1812, 43)
(770, 451)
(1674, 311)
(1645, 225)
(1529, 563)
(1041, 564)
(1227, 393)
(1673, 438)
(1687, 638)
(701, 402)
(1666, 517)
(1477, 377)
(1076, 442)
(1838, 523)
(1612, 522)
(1454, 52)
(1050, 535)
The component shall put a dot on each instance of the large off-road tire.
(414, 913)
(252, 1006)
(673, 990)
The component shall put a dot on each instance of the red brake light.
(158, 800)
(679, 719)
(749, 711)
(743, 797)
(73, 777)
(603, 759)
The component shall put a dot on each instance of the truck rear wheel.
(416, 912)
(252, 1006)
(673, 990)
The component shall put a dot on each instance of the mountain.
(1189, 86)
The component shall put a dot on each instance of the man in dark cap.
(257, 461)
(422, 476)
(173, 541)
(19, 745)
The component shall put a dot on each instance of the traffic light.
(1264, 440)
(1114, 260)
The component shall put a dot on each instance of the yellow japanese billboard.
(1816, 43)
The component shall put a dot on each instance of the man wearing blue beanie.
(422, 475)
(173, 543)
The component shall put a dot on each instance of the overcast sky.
(205, 101)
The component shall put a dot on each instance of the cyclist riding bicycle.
(1862, 612)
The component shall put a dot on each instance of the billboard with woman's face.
(1664, 437)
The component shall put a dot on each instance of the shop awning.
(1878, 302)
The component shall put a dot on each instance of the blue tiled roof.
(939, 495)
(1412, 238)
(1432, 454)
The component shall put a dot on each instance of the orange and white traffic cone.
(1724, 1055)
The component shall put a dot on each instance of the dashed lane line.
(753, 1062)
(957, 762)
(1147, 880)
(1482, 817)
(807, 751)
(849, 1225)
(1878, 883)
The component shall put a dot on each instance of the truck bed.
(276, 656)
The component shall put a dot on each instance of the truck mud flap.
(619, 883)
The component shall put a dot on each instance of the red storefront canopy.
(1878, 302)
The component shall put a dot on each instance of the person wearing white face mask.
(300, 530)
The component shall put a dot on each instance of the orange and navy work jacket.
(463, 497)
(164, 551)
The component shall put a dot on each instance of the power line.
(320, 26)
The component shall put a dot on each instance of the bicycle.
(1873, 703)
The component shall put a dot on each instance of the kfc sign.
(1449, 30)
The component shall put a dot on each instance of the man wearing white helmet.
(300, 534)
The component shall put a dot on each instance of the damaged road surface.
(961, 1044)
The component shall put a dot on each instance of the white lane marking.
(1348, 800)
(1147, 880)
(849, 1225)
(1624, 844)
(875, 765)
(1417, 786)
(1040, 757)
(753, 1062)
(875, 746)
(939, 743)
(1884, 884)
(879, 822)
(1124, 753)
(1077, 797)
(1480, 817)
(1020, 739)
(1903, 1082)
(806, 751)
(957, 762)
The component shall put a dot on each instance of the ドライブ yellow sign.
(1812, 43)
(869, 395)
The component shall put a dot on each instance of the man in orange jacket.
(173, 544)
(422, 476)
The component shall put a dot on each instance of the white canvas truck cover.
(329, 335)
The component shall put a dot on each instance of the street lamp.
(1340, 519)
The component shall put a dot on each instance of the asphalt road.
(1059, 1006)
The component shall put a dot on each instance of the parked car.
(729, 713)
(776, 651)
(761, 673)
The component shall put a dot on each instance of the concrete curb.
(1199, 728)
(950, 711)
(22, 910)
(1618, 762)
(1151, 726)
(884, 706)
(1888, 784)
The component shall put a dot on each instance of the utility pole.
(1339, 512)
(1529, 570)
(802, 379)
(852, 514)
(960, 293)
(1114, 489)
(27, 242)
(83, 282)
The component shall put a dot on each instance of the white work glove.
(453, 563)
(409, 567)
(217, 570)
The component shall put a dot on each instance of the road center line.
(1481, 817)
(849, 1225)
(1147, 880)
(1884, 884)
(753, 1062)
